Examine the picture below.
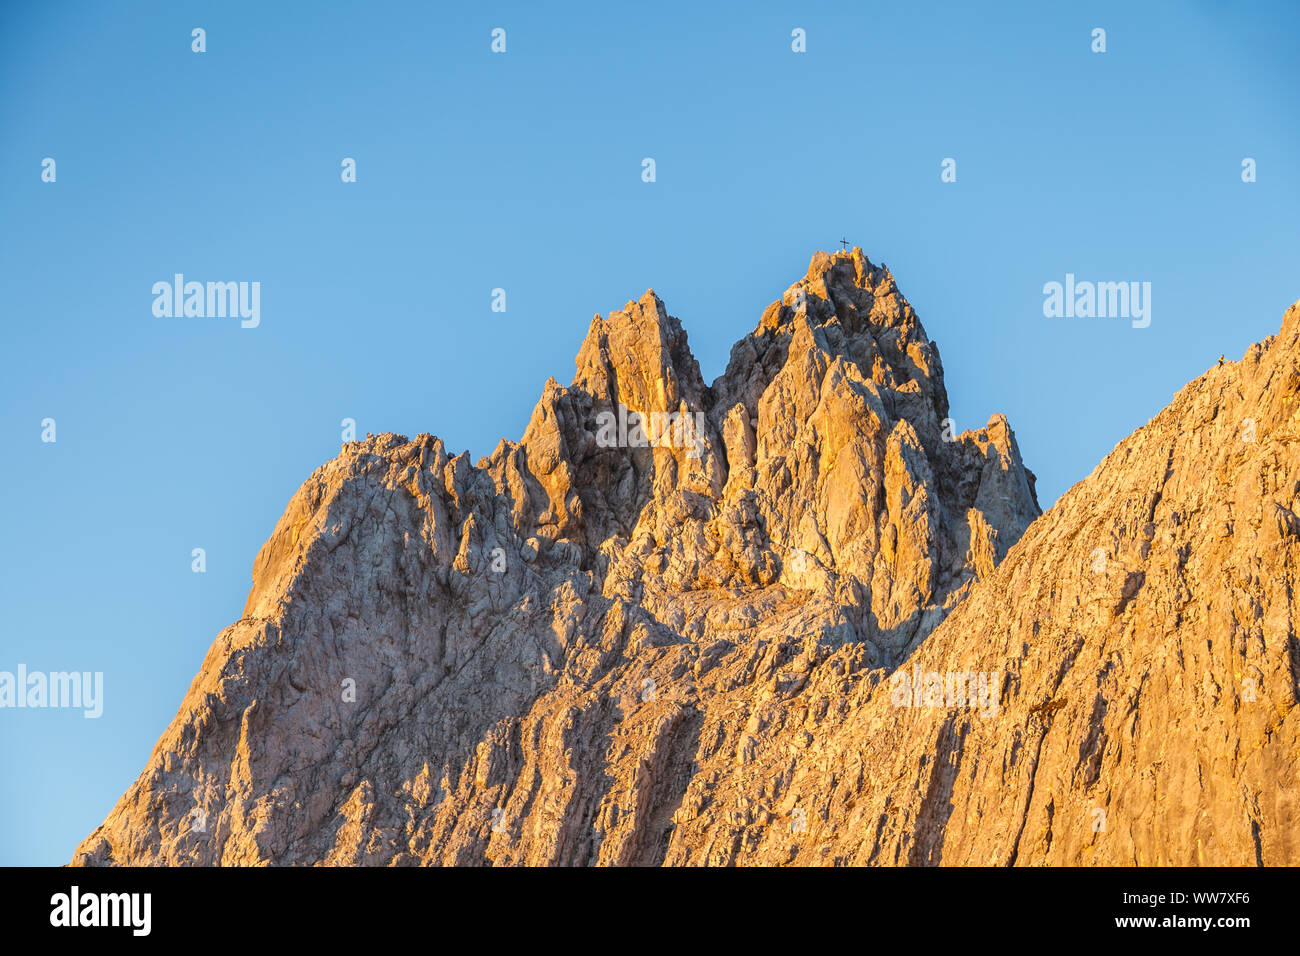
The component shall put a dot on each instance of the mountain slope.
(592, 649)
(1144, 629)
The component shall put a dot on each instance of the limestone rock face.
(690, 624)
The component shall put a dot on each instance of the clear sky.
(479, 170)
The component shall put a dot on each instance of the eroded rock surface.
(581, 651)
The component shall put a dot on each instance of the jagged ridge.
(574, 653)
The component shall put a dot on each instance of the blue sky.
(522, 171)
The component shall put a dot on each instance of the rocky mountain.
(789, 617)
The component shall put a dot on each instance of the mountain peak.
(795, 592)
(813, 503)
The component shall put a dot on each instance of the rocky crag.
(788, 618)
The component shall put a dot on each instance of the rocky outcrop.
(673, 623)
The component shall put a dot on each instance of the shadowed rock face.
(585, 651)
